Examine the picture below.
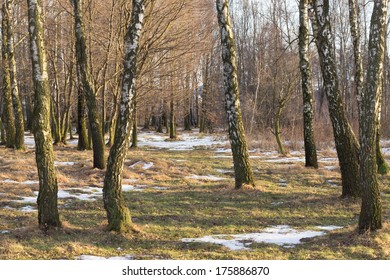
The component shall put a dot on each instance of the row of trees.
(161, 63)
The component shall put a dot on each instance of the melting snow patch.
(281, 235)
(127, 188)
(221, 150)
(30, 182)
(331, 168)
(32, 199)
(223, 171)
(147, 165)
(160, 188)
(286, 160)
(63, 163)
(276, 203)
(329, 159)
(206, 178)
(135, 164)
(222, 156)
(187, 142)
(94, 258)
(330, 182)
(10, 181)
(92, 194)
(27, 209)
(329, 228)
(4, 231)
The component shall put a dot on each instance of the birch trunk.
(17, 104)
(8, 114)
(118, 214)
(371, 210)
(99, 160)
(307, 87)
(242, 169)
(48, 216)
(355, 26)
(347, 145)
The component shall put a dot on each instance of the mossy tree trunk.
(242, 169)
(48, 216)
(8, 114)
(118, 214)
(307, 87)
(347, 145)
(371, 210)
(99, 159)
(17, 104)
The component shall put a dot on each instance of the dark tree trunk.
(347, 145)
(371, 210)
(134, 133)
(118, 214)
(99, 159)
(242, 169)
(307, 87)
(8, 114)
(48, 216)
(82, 143)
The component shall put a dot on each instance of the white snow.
(4, 231)
(127, 188)
(92, 193)
(91, 257)
(330, 182)
(147, 165)
(159, 188)
(28, 182)
(27, 209)
(329, 228)
(16, 182)
(331, 168)
(9, 181)
(223, 171)
(135, 164)
(187, 141)
(206, 178)
(63, 163)
(281, 235)
(286, 160)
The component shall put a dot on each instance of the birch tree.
(10, 49)
(371, 210)
(8, 115)
(347, 146)
(355, 27)
(242, 169)
(48, 216)
(99, 159)
(307, 87)
(118, 214)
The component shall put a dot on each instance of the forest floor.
(181, 196)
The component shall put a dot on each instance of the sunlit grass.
(285, 194)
